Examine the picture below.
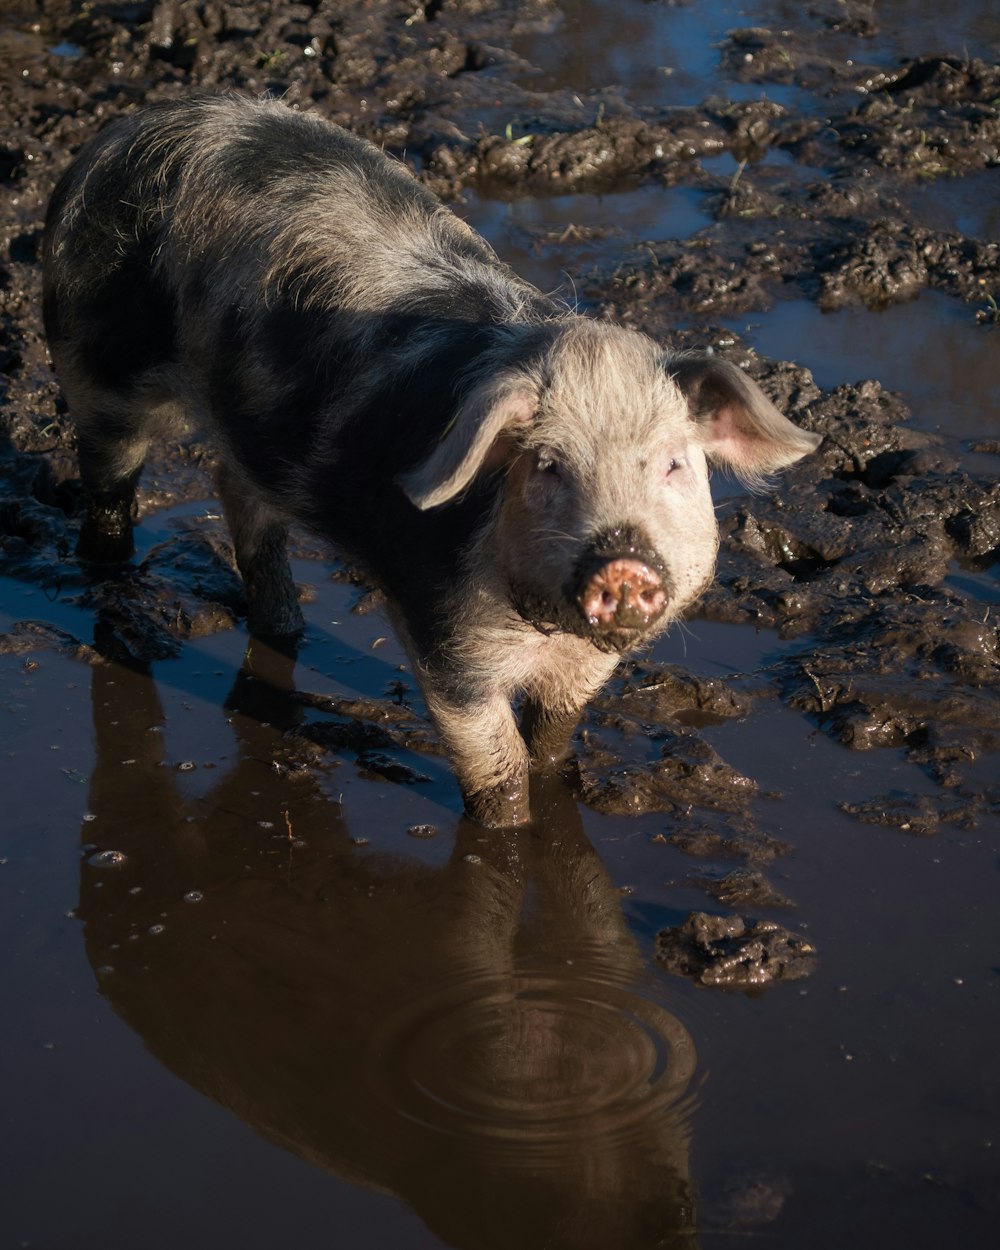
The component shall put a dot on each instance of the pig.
(529, 486)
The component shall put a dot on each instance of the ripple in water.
(536, 1062)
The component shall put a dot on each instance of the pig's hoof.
(499, 807)
(106, 530)
(98, 546)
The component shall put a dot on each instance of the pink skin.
(623, 594)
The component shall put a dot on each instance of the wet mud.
(734, 953)
(543, 1003)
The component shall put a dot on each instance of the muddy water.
(261, 983)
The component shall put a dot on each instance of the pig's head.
(605, 527)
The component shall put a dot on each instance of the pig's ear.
(472, 441)
(739, 426)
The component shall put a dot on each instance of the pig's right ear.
(471, 442)
(739, 427)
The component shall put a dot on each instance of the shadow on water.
(478, 1038)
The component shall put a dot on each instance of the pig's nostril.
(608, 600)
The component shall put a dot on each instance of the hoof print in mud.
(734, 953)
(923, 814)
(741, 887)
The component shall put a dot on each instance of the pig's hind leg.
(260, 540)
(110, 450)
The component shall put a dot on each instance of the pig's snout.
(622, 595)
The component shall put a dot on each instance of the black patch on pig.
(129, 324)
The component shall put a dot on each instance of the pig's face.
(606, 527)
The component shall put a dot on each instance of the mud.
(731, 952)
(841, 157)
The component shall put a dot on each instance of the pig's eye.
(546, 463)
(674, 466)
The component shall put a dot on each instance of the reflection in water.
(655, 55)
(473, 1038)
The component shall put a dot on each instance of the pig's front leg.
(561, 687)
(488, 755)
(110, 457)
(548, 731)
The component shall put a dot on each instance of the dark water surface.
(250, 1004)
(286, 1005)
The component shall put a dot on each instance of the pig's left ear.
(471, 442)
(739, 427)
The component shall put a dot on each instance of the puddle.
(548, 240)
(68, 50)
(928, 349)
(262, 979)
(981, 585)
(714, 649)
(656, 55)
(911, 28)
(967, 205)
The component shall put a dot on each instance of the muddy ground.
(741, 976)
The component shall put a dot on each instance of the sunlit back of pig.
(529, 487)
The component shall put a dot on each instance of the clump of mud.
(733, 953)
